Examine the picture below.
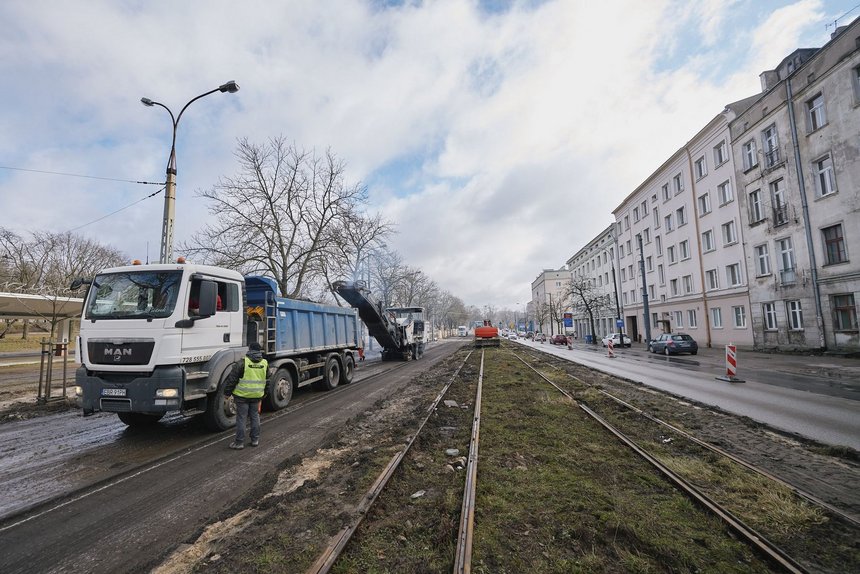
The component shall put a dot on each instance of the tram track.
(463, 540)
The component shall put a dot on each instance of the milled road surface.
(151, 490)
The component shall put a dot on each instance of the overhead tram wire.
(117, 211)
(94, 177)
(83, 176)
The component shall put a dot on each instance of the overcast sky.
(498, 136)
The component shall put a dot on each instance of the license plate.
(113, 392)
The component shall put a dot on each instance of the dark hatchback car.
(673, 344)
(558, 340)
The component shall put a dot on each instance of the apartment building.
(679, 244)
(549, 300)
(597, 264)
(797, 150)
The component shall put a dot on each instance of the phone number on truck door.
(196, 359)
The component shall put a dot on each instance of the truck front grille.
(126, 353)
(116, 405)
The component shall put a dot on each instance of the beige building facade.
(549, 300)
(680, 244)
(797, 150)
(597, 263)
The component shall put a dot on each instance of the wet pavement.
(816, 397)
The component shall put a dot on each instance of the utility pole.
(644, 290)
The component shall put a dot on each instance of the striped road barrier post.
(731, 365)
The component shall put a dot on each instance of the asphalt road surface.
(90, 495)
(788, 393)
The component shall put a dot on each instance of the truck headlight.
(166, 393)
(79, 391)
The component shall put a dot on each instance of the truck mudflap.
(130, 393)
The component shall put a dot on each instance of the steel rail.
(852, 518)
(768, 548)
(463, 555)
(338, 542)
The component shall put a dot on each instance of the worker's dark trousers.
(245, 407)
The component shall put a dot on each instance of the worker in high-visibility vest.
(247, 383)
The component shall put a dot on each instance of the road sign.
(619, 323)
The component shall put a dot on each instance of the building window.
(825, 184)
(785, 255)
(701, 168)
(635, 214)
(834, 245)
(704, 203)
(692, 320)
(713, 279)
(624, 274)
(730, 234)
(656, 217)
(740, 315)
(750, 155)
(660, 275)
(795, 315)
(762, 260)
(658, 241)
(651, 292)
(756, 207)
(768, 311)
(679, 319)
(629, 250)
(684, 250)
(716, 318)
(815, 112)
(770, 145)
(646, 235)
(855, 79)
(733, 274)
(678, 182)
(688, 284)
(624, 298)
(670, 253)
(844, 312)
(644, 208)
(708, 241)
(668, 221)
(667, 195)
(626, 223)
(673, 287)
(720, 153)
(649, 264)
(780, 205)
(724, 192)
(681, 215)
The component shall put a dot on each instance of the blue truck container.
(294, 326)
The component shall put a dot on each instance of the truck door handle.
(226, 337)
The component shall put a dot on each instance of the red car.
(558, 340)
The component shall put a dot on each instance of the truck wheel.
(348, 370)
(281, 390)
(331, 375)
(220, 410)
(139, 419)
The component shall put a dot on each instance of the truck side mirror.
(208, 298)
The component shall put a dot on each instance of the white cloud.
(526, 127)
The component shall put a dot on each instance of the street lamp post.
(170, 182)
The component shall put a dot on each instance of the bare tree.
(588, 298)
(47, 263)
(282, 216)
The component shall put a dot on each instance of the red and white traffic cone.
(731, 365)
(610, 349)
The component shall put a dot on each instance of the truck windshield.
(131, 295)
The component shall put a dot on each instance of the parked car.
(616, 340)
(512, 336)
(673, 344)
(530, 335)
(558, 340)
(539, 338)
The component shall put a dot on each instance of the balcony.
(780, 214)
(772, 158)
(787, 276)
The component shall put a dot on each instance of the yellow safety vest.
(252, 385)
